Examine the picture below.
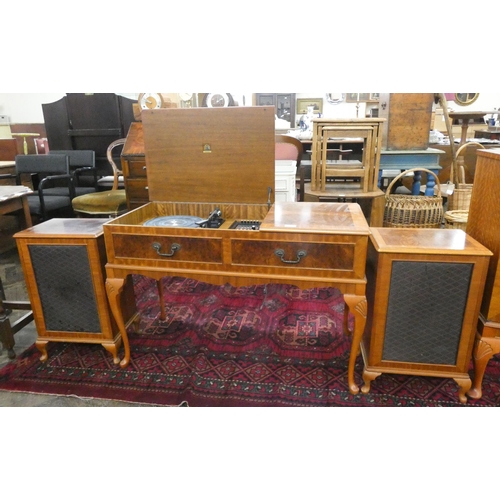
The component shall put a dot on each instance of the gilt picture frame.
(302, 105)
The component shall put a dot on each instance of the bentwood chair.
(45, 173)
(110, 203)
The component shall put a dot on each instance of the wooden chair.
(110, 203)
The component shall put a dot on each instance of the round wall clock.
(218, 100)
(151, 101)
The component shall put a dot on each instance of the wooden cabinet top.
(426, 241)
(65, 228)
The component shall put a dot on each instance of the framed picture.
(356, 97)
(302, 105)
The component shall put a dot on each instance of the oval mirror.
(335, 98)
(465, 99)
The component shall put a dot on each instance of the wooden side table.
(424, 290)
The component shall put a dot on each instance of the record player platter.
(174, 221)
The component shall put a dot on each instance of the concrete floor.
(15, 289)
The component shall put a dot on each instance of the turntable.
(202, 161)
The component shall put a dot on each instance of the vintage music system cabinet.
(63, 263)
(484, 225)
(424, 291)
(212, 216)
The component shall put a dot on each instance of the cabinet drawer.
(288, 254)
(136, 168)
(137, 189)
(182, 248)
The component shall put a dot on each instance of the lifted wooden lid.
(210, 154)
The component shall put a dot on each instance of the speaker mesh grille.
(427, 302)
(64, 281)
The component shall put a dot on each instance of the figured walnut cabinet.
(424, 292)
(63, 263)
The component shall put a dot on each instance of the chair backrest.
(109, 154)
(77, 158)
(288, 148)
(8, 149)
(42, 164)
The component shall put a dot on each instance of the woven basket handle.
(404, 172)
(460, 163)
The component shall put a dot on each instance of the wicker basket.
(456, 219)
(403, 210)
(462, 192)
(460, 198)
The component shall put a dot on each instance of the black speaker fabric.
(427, 303)
(64, 281)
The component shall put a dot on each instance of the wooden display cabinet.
(63, 263)
(424, 291)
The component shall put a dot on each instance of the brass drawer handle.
(174, 248)
(281, 254)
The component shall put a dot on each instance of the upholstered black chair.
(110, 203)
(82, 168)
(45, 172)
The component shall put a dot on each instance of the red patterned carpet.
(271, 345)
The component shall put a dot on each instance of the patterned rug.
(271, 345)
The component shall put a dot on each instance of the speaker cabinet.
(64, 267)
(424, 293)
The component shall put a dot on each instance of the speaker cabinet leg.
(464, 384)
(113, 350)
(357, 305)
(484, 350)
(368, 377)
(114, 288)
(41, 345)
